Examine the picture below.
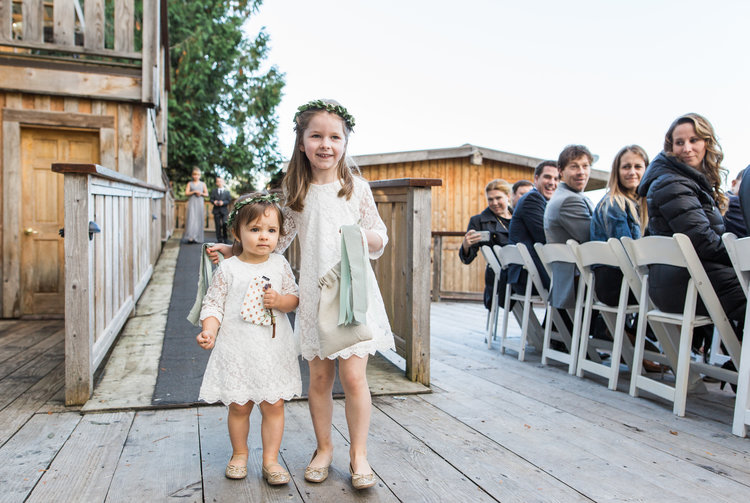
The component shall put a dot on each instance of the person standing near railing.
(489, 228)
(195, 219)
(220, 198)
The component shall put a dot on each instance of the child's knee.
(353, 380)
(273, 409)
(236, 409)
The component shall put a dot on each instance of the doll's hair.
(299, 173)
(247, 209)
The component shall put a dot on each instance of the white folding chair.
(739, 252)
(549, 254)
(589, 255)
(677, 251)
(530, 326)
(491, 259)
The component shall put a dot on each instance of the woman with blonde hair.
(682, 187)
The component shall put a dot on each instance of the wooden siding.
(459, 198)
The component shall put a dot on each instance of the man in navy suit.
(744, 193)
(527, 223)
(734, 219)
(221, 198)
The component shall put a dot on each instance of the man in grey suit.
(568, 216)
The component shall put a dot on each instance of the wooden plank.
(500, 472)
(75, 49)
(216, 452)
(42, 103)
(73, 477)
(150, 44)
(108, 233)
(27, 349)
(160, 460)
(33, 18)
(107, 151)
(125, 139)
(70, 104)
(79, 290)
(15, 384)
(65, 17)
(47, 118)
(15, 414)
(405, 464)
(6, 11)
(99, 283)
(25, 458)
(124, 15)
(11, 218)
(418, 217)
(94, 32)
(60, 82)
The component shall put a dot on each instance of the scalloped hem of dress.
(229, 401)
(343, 353)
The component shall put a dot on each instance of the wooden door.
(42, 214)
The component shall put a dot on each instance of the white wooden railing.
(113, 235)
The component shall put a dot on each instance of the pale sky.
(521, 76)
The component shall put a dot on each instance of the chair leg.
(742, 400)
(638, 346)
(682, 372)
(547, 334)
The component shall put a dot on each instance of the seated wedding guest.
(520, 188)
(568, 216)
(733, 219)
(744, 194)
(682, 187)
(618, 215)
(489, 228)
(527, 222)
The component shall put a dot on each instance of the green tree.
(222, 105)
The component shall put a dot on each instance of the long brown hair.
(617, 193)
(711, 165)
(299, 173)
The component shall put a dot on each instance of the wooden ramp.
(494, 429)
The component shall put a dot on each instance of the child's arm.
(284, 303)
(207, 338)
(213, 252)
(374, 229)
(374, 241)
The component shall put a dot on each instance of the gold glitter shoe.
(236, 471)
(362, 480)
(316, 475)
(276, 477)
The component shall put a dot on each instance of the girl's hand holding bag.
(342, 312)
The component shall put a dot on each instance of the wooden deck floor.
(494, 429)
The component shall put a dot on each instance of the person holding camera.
(489, 228)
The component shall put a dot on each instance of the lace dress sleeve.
(290, 229)
(370, 220)
(213, 302)
(288, 285)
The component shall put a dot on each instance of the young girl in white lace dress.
(254, 357)
(322, 194)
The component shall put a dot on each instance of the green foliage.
(222, 107)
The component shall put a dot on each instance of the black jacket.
(680, 200)
(527, 227)
(486, 221)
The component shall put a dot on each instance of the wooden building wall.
(459, 198)
(127, 140)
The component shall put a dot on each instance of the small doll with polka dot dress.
(254, 353)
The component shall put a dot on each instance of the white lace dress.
(247, 363)
(317, 227)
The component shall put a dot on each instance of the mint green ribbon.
(205, 274)
(353, 284)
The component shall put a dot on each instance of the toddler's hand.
(213, 252)
(206, 339)
(270, 298)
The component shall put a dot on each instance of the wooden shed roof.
(598, 179)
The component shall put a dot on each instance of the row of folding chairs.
(580, 352)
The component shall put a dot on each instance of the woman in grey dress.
(195, 218)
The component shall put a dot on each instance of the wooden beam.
(69, 119)
(6, 7)
(65, 19)
(150, 45)
(33, 18)
(103, 172)
(124, 25)
(11, 219)
(94, 31)
(70, 83)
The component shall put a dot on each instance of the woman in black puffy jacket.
(682, 187)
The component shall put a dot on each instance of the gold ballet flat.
(316, 475)
(235, 472)
(276, 477)
(362, 480)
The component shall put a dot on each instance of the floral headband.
(264, 198)
(328, 107)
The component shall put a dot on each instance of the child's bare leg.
(320, 401)
(238, 423)
(271, 431)
(352, 373)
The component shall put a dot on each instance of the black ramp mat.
(182, 361)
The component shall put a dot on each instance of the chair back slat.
(508, 255)
(596, 253)
(654, 250)
(491, 259)
(739, 253)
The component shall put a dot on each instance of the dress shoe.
(279, 476)
(236, 471)
(362, 480)
(315, 474)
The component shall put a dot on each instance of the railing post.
(79, 290)
(437, 266)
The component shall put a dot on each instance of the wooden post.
(6, 9)
(437, 263)
(79, 291)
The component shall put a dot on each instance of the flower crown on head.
(328, 107)
(263, 198)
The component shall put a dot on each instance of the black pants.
(220, 223)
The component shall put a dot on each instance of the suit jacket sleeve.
(534, 218)
(468, 257)
(575, 217)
